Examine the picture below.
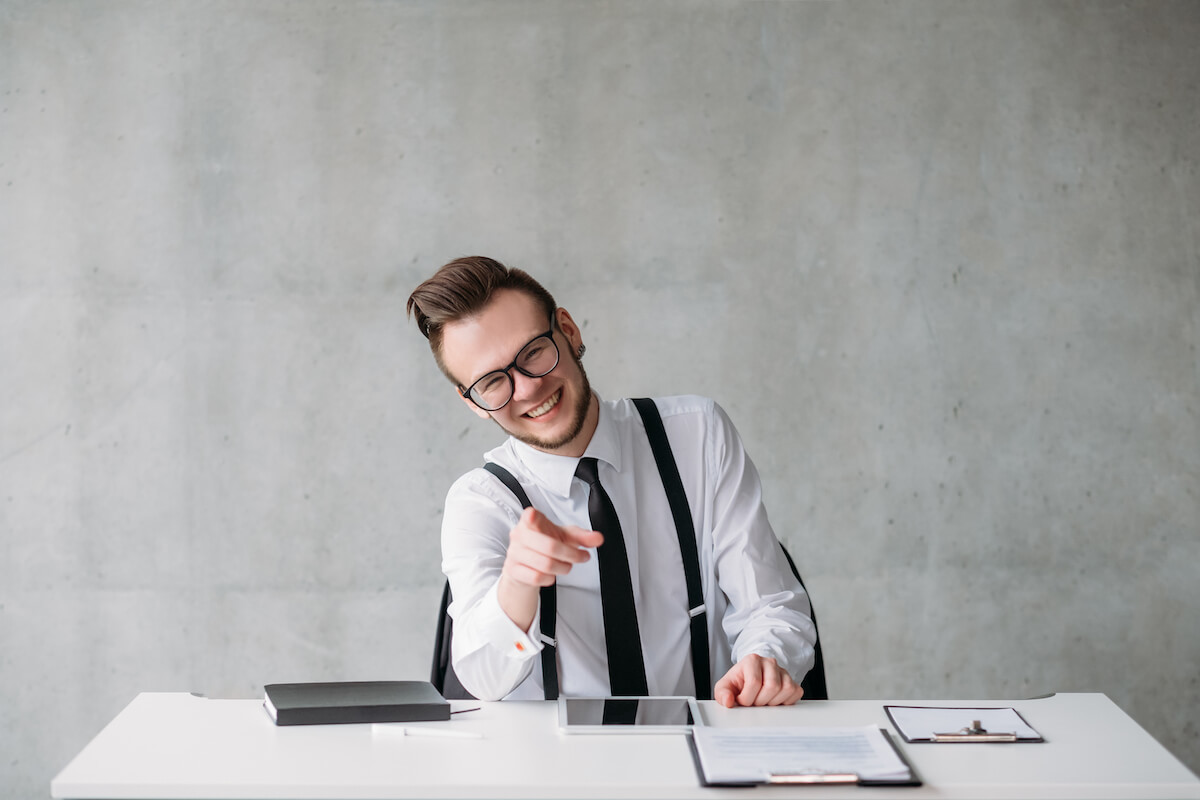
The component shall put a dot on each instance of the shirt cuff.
(503, 635)
(776, 650)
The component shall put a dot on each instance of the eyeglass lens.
(536, 359)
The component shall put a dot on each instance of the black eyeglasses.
(537, 358)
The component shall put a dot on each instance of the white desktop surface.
(183, 746)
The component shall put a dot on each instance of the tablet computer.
(627, 714)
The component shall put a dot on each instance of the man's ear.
(569, 328)
(479, 412)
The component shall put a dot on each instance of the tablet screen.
(625, 713)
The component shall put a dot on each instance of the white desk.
(182, 746)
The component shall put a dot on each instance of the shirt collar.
(555, 472)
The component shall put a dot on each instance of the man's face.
(555, 412)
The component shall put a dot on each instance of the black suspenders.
(686, 533)
(684, 530)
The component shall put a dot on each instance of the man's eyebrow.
(512, 360)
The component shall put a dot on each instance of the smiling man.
(578, 562)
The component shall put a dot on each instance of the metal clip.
(974, 733)
(812, 778)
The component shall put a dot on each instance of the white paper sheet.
(753, 755)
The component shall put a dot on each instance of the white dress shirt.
(754, 603)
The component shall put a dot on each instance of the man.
(515, 357)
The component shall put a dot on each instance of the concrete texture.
(940, 261)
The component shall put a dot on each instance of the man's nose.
(524, 387)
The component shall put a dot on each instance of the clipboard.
(810, 778)
(955, 725)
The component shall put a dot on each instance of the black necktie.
(626, 670)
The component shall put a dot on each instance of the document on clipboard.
(919, 724)
(799, 755)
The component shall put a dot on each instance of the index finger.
(538, 522)
(568, 534)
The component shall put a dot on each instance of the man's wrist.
(518, 601)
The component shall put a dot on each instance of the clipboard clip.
(974, 733)
(807, 778)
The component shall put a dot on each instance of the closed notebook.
(362, 701)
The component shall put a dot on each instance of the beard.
(579, 418)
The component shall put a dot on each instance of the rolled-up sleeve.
(768, 610)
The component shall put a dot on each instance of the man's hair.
(461, 289)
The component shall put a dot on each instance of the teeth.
(546, 406)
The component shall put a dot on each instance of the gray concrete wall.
(940, 261)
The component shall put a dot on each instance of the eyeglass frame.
(512, 384)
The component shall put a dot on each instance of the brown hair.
(461, 289)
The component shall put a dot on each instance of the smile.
(546, 406)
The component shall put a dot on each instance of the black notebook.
(363, 701)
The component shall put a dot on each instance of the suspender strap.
(508, 480)
(686, 533)
(549, 612)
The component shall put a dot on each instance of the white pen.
(435, 732)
